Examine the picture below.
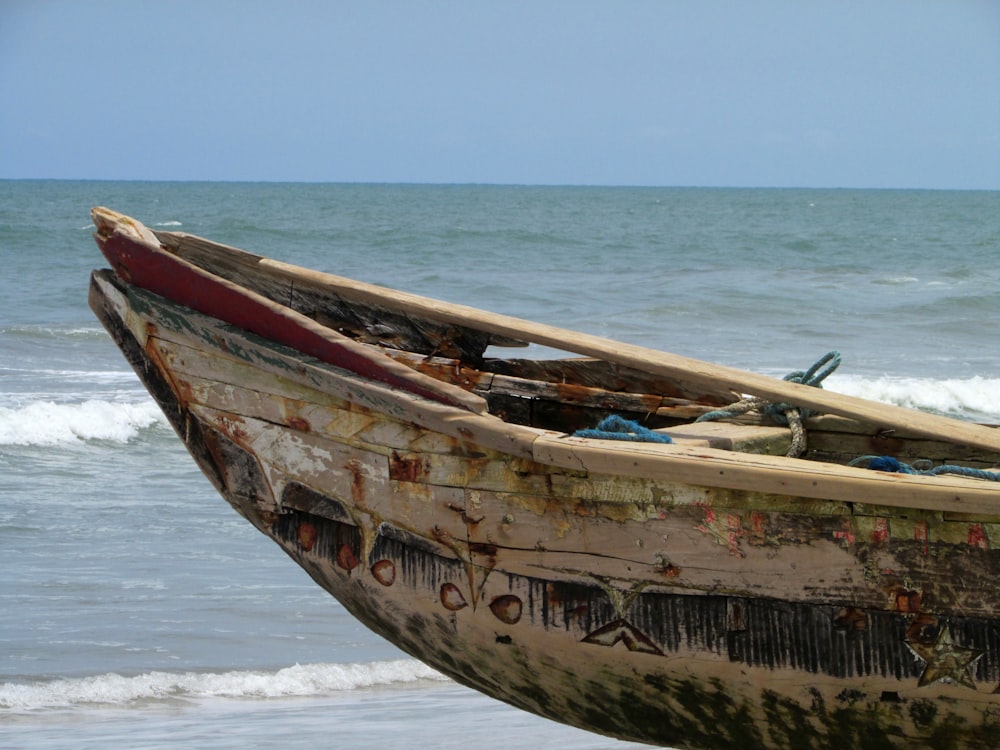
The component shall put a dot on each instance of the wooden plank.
(773, 441)
(776, 475)
(682, 548)
(366, 323)
(229, 384)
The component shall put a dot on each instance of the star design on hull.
(945, 660)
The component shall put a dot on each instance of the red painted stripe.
(167, 275)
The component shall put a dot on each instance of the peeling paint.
(407, 468)
(384, 571)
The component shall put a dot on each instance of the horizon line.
(412, 183)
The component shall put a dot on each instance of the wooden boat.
(712, 592)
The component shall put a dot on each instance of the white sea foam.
(167, 224)
(101, 377)
(51, 423)
(299, 680)
(974, 398)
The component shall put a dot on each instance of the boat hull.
(647, 610)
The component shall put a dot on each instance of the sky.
(741, 93)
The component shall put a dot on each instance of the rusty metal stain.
(221, 342)
(470, 520)
(452, 598)
(346, 558)
(357, 471)
(407, 468)
(233, 427)
(507, 609)
(572, 393)
(906, 600)
(851, 619)
(669, 570)
(384, 572)
(883, 443)
(307, 536)
(183, 390)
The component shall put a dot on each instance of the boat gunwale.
(670, 462)
(683, 369)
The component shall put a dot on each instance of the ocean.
(138, 610)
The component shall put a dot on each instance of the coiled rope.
(784, 413)
(615, 427)
(893, 465)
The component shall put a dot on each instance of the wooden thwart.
(763, 439)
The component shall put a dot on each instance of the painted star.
(945, 660)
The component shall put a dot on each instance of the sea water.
(137, 609)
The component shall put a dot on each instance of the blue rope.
(615, 427)
(814, 376)
(890, 464)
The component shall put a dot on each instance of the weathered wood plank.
(367, 323)
(768, 474)
(223, 382)
(774, 441)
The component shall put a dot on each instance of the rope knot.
(784, 413)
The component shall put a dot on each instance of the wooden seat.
(745, 438)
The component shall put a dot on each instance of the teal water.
(137, 608)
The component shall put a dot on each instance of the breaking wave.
(51, 423)
(301, 680)
(975, 398)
